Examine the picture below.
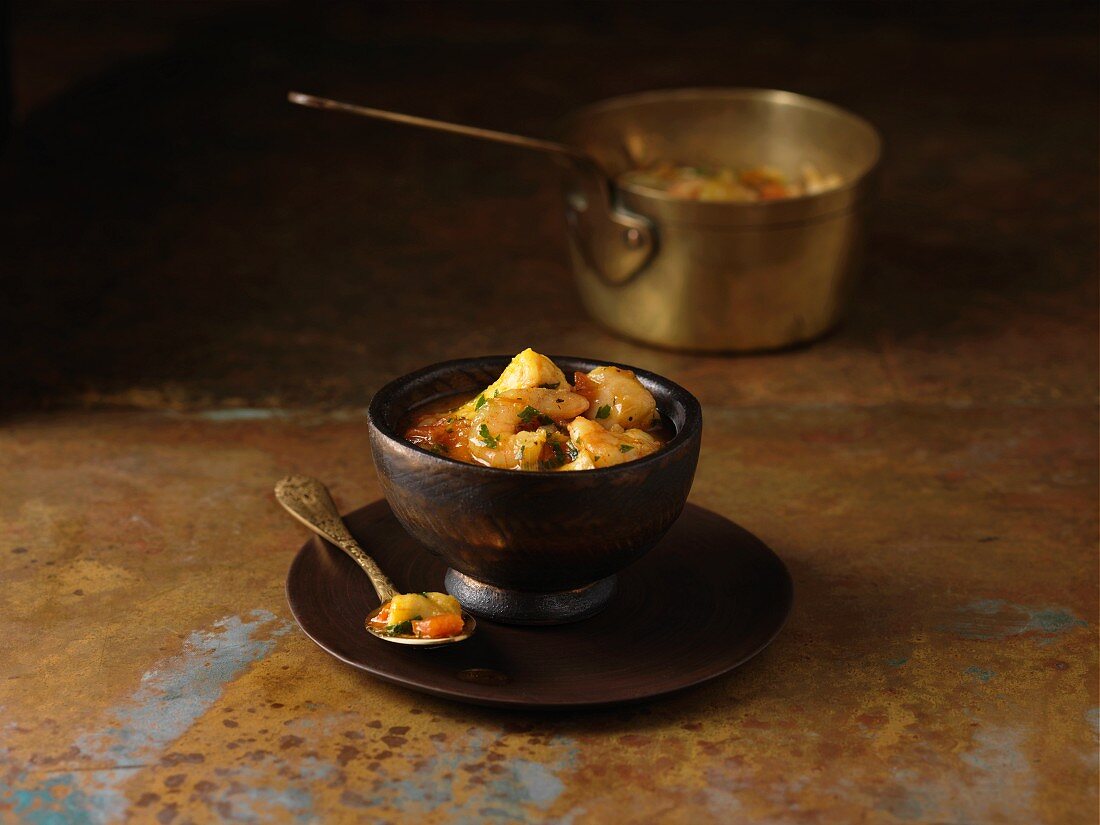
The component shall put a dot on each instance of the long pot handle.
(617, 244)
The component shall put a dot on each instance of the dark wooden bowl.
(538, 532)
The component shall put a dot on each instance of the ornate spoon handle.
(308, 500)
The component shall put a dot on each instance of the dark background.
(175, 235)
(202, 286)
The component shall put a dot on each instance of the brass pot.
(717, 276)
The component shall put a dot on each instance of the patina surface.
(209, 286)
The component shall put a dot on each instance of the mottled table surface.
(204, 287)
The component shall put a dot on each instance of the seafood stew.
(762, 183)
(533, 418)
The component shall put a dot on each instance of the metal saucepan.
(703, 275)
(722, 276)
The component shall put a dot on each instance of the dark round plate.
(706, 599)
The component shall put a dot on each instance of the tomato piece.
(382, 617)
(444, 436)
(437, 627)
(585, 386)
(772, 191)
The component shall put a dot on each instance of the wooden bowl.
(530, 547)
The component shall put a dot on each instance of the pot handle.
(615, 243)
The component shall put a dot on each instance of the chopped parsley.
(560, 453)
(604, 411)
(527, 413)
(545, 420)
(487, 438)
(625, 448)
(481, 402)
(553, 386)
(404, 628)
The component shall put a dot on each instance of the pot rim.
(643, 199)
(681, 440)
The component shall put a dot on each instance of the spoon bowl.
(469, 626)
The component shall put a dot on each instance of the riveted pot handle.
(615, 243)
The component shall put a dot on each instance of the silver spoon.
(308, 500)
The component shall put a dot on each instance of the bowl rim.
(682, 439)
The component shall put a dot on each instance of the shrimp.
(617, 398)
(510, 430)
(527, 370)
(583, 461)
(599, 447)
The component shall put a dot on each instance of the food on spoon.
(421, 615)
(723, 183)
(531, 418)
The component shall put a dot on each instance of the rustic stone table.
(205, 287)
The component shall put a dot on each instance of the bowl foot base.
(525, 607)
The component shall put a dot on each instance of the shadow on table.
(846, 643)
